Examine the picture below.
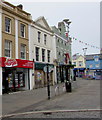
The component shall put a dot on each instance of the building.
(62, 48)
(94, 66)
(15, 65)
(41, 42)
(79, 62)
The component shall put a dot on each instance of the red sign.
(17, 63)
(67, 57)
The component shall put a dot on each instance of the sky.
(85, 17)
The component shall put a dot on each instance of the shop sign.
(10, 63)
(49, 69)
(17, 63)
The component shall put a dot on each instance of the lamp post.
(67, 23)
(67, 66)
(84, 50)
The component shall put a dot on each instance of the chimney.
(20, 6)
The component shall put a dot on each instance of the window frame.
(6, 29)
(22, 32)
(43, 55)
(37, 53)
(48, 55)
(8, 49)
(45, 39)
(23, 52)
(39, 36)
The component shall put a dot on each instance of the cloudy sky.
(85, 17)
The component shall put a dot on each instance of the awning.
(40, 66)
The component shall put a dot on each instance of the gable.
(42, 22)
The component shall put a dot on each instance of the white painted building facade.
(41, 42)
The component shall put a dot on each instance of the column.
(0, 50)
(16, 38)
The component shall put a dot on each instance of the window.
(23, 51)
(39, 35)
(37, 53)
(8, 48)
(74, 63)
(80, 63)
(48, 54)
(45, 36)
(7, 25)
(97, 65)
(90, 66)
(43, 55)
(59, 53)
(96, 59)
(22, 30)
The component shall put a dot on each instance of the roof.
(91, 57)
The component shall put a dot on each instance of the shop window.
(23, 51)
(7, 25)
(8, 45)
(39, 36)
(37, 53)
(45, 38)
(22, 29)
(48, 54)
(43, 55)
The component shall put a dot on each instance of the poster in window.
(21, 79)
(16, 80)
(10, 80)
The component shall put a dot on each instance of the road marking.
(50, 111)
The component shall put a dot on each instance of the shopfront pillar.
(0, 80)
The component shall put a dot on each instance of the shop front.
(15, 74)
(41, 75)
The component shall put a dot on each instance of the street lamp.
(67, 22)
(84, 50)
(67, 67)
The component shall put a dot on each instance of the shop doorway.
(13, 80)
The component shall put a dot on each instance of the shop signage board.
(17, 63)
(49, 69)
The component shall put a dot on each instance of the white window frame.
(8, 30)
(21, 30)
(9, 48)
(21, 51)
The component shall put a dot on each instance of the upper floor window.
(23, 51)
(7, 25)
(96, 59)
(37, 53)
(97, 65)
(90, 66)
(80, 63)
(48, 55)
(39, 36)
(43, 55)
(45, 37)
(74, 63)
(8, 48)
(22, 29)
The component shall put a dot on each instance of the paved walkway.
(21, 100)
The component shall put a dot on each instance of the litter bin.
(68, 86)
